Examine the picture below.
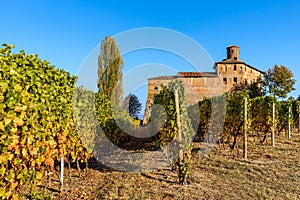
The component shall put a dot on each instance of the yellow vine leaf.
(18, 122)
(15, 197)
(7, 121)
(2, 127)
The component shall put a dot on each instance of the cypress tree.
(110, 66)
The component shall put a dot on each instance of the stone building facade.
(227, 73)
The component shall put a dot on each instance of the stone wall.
(196, 88)
(237, 73)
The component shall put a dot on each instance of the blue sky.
(66, 31)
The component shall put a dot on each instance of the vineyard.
(268, 173)
(46, 122)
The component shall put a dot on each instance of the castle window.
(235, 58)
(234, 67)
(155, 88)
(235, 80)
(241, 68)
(246, 82)
(232, 51)
(225, 81)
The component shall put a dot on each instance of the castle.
(227, 73)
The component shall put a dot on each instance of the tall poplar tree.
(110, 66)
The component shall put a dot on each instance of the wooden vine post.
(273, 125)
(62, 173)
(299, 119)
(289, 124)
(179, 137)
(245, 128)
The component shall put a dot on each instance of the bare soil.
(268, 173)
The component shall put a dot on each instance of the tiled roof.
(162, 77)
(186, 74)
(197, 74)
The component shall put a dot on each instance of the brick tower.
(233, 52)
